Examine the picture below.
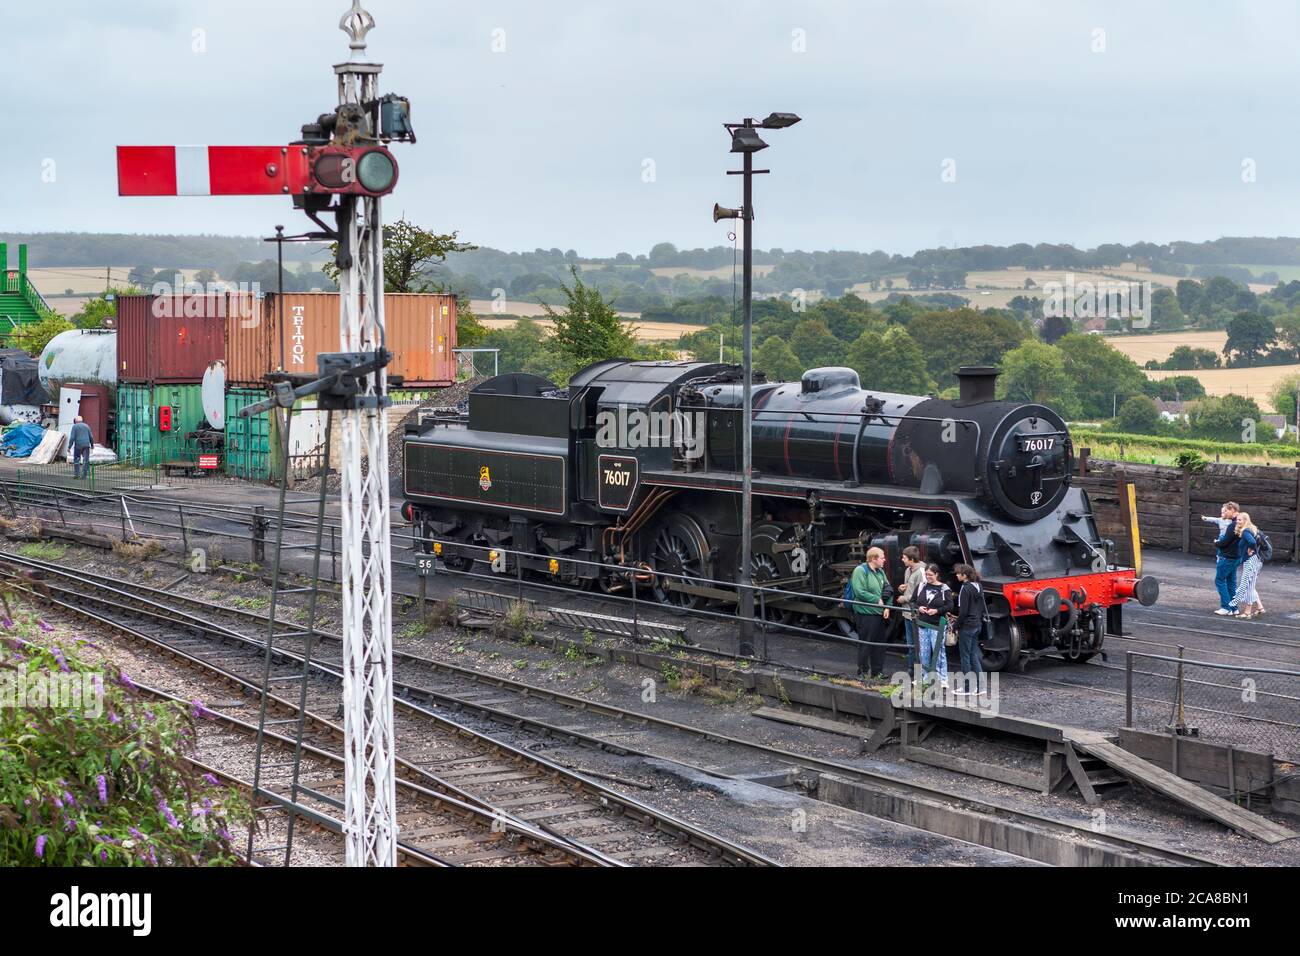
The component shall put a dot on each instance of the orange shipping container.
(420, 330)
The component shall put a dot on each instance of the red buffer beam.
(212, 170)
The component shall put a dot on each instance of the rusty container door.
(248, 340)
(420, 329)
(133, 315)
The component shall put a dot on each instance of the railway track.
(513, 705)
(530, 795)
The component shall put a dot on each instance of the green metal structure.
(20, 303)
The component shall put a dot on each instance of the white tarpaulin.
(49, 448)
(99, 455)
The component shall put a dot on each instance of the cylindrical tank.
(1015, 456)
(214, 394)
(80, 355)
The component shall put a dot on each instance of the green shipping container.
(136, 426)
(249, 444)
(140, 437)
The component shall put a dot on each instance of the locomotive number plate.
(1034, 443)
(616, 481)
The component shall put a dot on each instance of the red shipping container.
(420, 330)
(169, 339)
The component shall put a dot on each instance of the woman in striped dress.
(1247, 598)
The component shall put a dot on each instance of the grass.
(1159, 450)
(136, 550)
(251, 603)
(43, 550)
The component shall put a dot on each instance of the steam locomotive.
(632, 471)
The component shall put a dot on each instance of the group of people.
(1240, 551)
(929, 608)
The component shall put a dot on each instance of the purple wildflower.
(102, 784)
(197, 709)
(8, 622)
(58, 803)
(124, 679)
(44, 626)
(69, 799)
(113, 718)
(170, 817)
(103, 856)
(40, 847)
(211, 779)
(135, 833)
(225, 834)
(199, 812)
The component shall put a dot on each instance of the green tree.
(1225, 418)
(777, 360)
(1165, 311)
(892, 362)
(1138, 415)
(36, 335)
(1102, 375)
(813, 342)
(588, 330)
(408, 251)
(1283, 396)
(1184, 358)
(1035, 372)
(959, 337)
(1055, 328)
(1249, 337)
(1176, 388)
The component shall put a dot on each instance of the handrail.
(30, 292)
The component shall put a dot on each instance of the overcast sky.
(1070, 122)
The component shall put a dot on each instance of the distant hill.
(119, 249)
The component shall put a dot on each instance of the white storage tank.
(213, 394)
(80, 355)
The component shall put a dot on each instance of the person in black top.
(969, 625)
(932, 602)
(1227, 548)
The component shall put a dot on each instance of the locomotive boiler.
(632, 471)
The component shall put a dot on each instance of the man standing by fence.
(81, 439)
(1226, 549)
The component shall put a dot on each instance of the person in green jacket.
(872, 594)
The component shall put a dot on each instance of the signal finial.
(356, 23)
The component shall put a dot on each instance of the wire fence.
(1253, 708)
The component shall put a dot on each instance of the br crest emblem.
(484, 477)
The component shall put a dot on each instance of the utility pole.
(746, 141)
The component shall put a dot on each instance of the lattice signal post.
(340, 168)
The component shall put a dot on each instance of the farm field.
(646, 331)
(486, 308)
(1143, 348)
(1254, 383)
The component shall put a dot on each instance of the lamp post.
(746, 141)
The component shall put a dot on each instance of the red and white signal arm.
(254, 170)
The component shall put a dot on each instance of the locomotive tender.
(633, 471)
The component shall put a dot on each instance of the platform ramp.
(1176, 788)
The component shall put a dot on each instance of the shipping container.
(151, 436)
(255, 445)
(169, 339)
(135, 424)
(419, 328)
(93, 408)
(250, 448)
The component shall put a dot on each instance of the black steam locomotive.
(633, 471)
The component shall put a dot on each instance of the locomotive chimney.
(976, 384)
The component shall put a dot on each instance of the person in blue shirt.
(1226, 549)
(81, 439)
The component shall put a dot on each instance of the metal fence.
(38, 482)
(1254, 708)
